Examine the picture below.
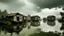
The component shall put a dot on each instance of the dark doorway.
(17, 18)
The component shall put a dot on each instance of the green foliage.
(3, 13)
(0, 14)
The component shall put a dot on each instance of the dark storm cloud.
(7, 1)
(13, 4)
(47, 3)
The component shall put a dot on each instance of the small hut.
(51, 18)
(35, 21)
(35, 18)
(16, 17)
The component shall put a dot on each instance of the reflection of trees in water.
(50, 20)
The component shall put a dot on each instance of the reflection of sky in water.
(43, 26)
(47, 12)
(47, 28)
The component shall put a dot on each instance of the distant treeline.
(3, 13)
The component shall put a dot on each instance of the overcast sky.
(42, 8)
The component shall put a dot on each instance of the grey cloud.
(13, 5)
(7, 1)
(16, 5)
(47, 3)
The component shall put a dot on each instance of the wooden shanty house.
(51, 18)
(35, 20)
(16, 17)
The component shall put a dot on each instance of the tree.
(0, 14)
(4, 12)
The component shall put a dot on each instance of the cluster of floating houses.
(15, 22)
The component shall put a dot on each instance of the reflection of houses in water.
(51, 23)
(18, 22)
(50, 20)
(35, 21)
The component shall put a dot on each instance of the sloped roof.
(12, 14)
(36, 16)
